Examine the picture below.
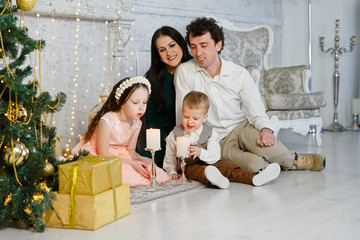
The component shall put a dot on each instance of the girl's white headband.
(129, 82)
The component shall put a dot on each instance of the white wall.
(295, 51)
(124, 28)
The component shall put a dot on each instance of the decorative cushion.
(283, 80)
(295, 101)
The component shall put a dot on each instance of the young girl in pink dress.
(115, 129)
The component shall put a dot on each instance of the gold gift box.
(92, 176)
(91, 212)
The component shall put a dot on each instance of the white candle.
(355, 106)
(153, 139)
(182, 145)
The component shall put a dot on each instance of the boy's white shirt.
(210, 156)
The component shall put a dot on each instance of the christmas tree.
(27, 137)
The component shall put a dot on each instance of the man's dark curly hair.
(202, 25)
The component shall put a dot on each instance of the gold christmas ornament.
(48, 169)
(19, 154)
(17, 114)
(26, 5)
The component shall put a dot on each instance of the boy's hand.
(175, 176)
(194, 152)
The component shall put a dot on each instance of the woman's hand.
(266, 138)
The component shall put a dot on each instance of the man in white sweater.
(236, 111)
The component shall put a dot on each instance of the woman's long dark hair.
(156, 72)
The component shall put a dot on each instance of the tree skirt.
(143, 194)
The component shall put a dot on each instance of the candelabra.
(153, 182)
(336, 51)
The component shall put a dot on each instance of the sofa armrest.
(295, 101)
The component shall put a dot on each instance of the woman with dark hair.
(168, 51)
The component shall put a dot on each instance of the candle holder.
(153, 182)
(355, 126)
(335, 126)
(183, 165)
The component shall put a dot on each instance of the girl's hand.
(194, 152)
(175, 176)
(140, 167)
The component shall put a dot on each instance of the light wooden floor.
(297, 205)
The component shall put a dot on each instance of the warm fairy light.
(119, 74)
(131, 68)
(89, 74)
(38, 15)
(87, 90)
(67, 145)
(73, 124)
(53, 20)
(75, 52)
(131, 53)
(106, 22)
(73, 116)
(94, 10)
(85, 107)
(92, 43)
(76, 35)
(131, 38)
(107, 6)
(76, 84)
(78, 19)
(101, 85)
(104, 68)
(53, 89)
(37, 32)
(119, 58)
(77, 69)
(119, 12)
(105, 53)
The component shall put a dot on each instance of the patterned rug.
(143, 194)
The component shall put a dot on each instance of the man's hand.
(266, 138)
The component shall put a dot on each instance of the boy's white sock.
(267, 174)
(216, 178)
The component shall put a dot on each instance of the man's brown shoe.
(310, 161)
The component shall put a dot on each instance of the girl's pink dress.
(119, 138)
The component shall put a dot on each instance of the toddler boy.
(204, 163)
